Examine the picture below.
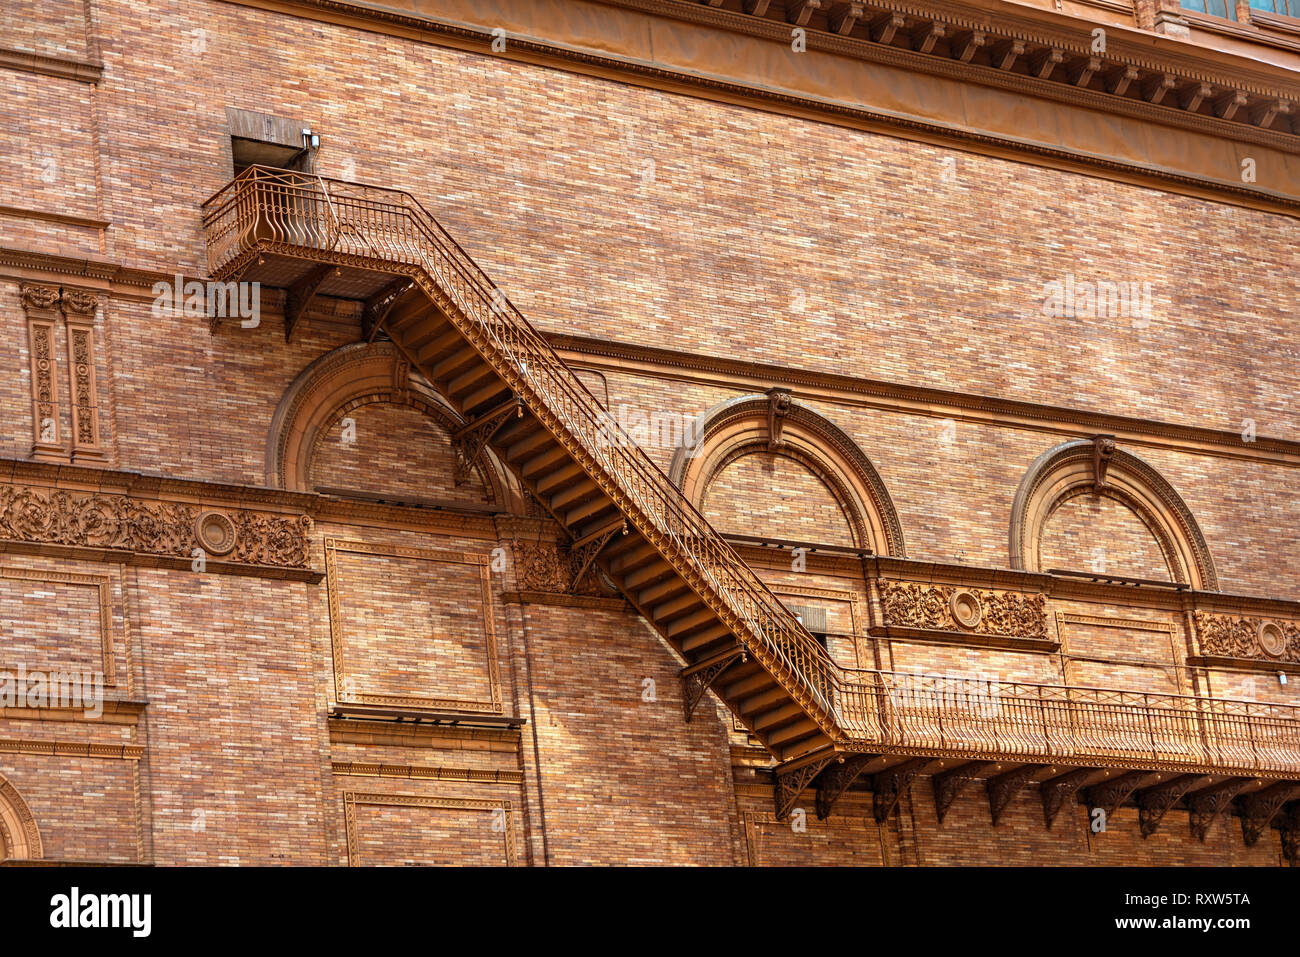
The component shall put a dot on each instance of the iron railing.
(269, 211)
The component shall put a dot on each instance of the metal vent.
(814, 619)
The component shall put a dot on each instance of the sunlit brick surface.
(840, 264)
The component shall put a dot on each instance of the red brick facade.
(269, 550)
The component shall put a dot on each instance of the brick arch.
(20, 837)
(351, 377)
(1067, 471)
(741, 426)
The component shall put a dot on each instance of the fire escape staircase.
(823, 723)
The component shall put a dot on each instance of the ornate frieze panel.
(550, 567)
(1260, 639)
(81, 519)
(927, 607)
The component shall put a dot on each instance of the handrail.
(270, 209)
(288, 204)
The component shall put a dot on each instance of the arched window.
(769, 466)
(357, 419)
(20, 838)
(1088, 506)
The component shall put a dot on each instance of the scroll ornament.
(1223, 636)
(93, 520)
(936, 607)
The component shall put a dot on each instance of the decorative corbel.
(800, 12)
(847, 18)
(886, 28)
(923, 41)
(697, 679)
(791, 784)
(1121, 79)
(1103, 450)
(1006, 52)
(779, 403)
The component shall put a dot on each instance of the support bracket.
(379, 305)
(1260, 807)
(888, 786)
(791, 784)
(948, 784)
(698, 678)
(1003, 788)
(300, 295)
(1154, 802)
(837, 779)
(1208, 804)
(1060, 789)
(470, 439)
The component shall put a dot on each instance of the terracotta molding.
(75, 749)
(344, 690)
(1082, 589)
(918, 400)
(1219, 663)
(565, 601)
(961, 638)
(1069, 470)
(408, 734)
(1269, 20)
(20, 835)
(775, 422)
(51, 217)
(426, 773)
(476, 39)
(63, 67)
(1071, 35)
(160, 488)
(352, 800)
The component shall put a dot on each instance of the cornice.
(477, 38)
(62, 67)
(1068, 34)
(842, 389)
(139, 485)
(749, 375)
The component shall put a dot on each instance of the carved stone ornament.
(93, 520)
(779, 403)
(80, 301)
(1224, 636)
(966, 608)
(948, 608)
(216, 533)
(548, 567)
(1103, 450)
(40, 297)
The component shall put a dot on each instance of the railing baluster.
(386, 226)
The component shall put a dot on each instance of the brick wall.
(648, 218)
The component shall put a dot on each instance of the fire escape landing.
(828, 727)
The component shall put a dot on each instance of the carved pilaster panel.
(41, 304)
(79, 309)
(972, 610)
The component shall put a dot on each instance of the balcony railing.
(266, 211)
(294, 214)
